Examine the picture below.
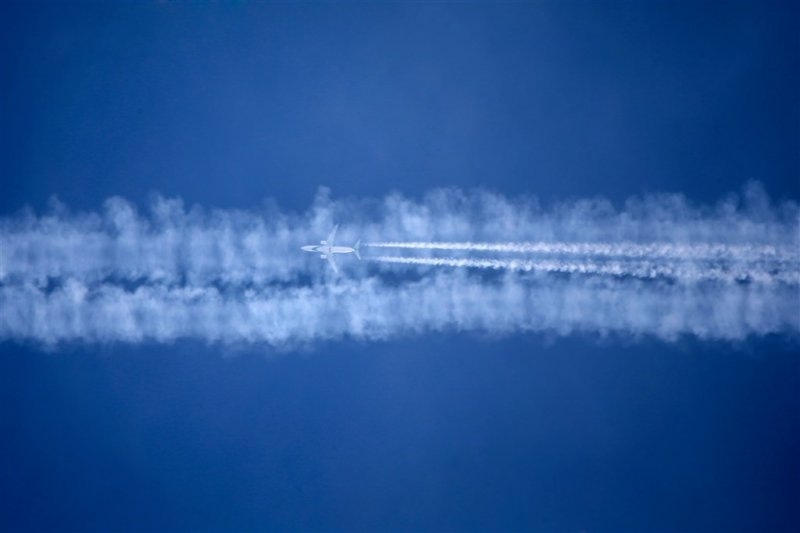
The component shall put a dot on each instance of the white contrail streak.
(171, 244)
(659, 266)
(370, 309)
(638, 269)
(623, 249)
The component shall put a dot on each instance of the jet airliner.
(326, 249)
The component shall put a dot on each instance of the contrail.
(638, 269)
(656, 266)
(175, 244)
(624, 249)
(373, 310)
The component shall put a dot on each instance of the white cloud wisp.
(656, 266)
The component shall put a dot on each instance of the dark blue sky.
(225, 105)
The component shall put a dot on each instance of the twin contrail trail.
(657, 267)
(625, 249)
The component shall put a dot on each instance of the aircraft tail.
(356, 248)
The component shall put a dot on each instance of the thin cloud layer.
(658, 266)
(371, 309)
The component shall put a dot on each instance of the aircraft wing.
(332, 235)
(330, 258)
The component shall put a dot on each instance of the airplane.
(326, 249)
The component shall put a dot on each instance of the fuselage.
(325, 249)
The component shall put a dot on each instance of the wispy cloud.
(655, 266)
(371, 309)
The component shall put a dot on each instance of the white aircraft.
(326, 249)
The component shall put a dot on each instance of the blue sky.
(227, 105)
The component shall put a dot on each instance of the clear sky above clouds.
(229, 104)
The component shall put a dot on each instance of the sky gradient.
(255, 106)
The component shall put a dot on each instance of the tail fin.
(355, 249)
